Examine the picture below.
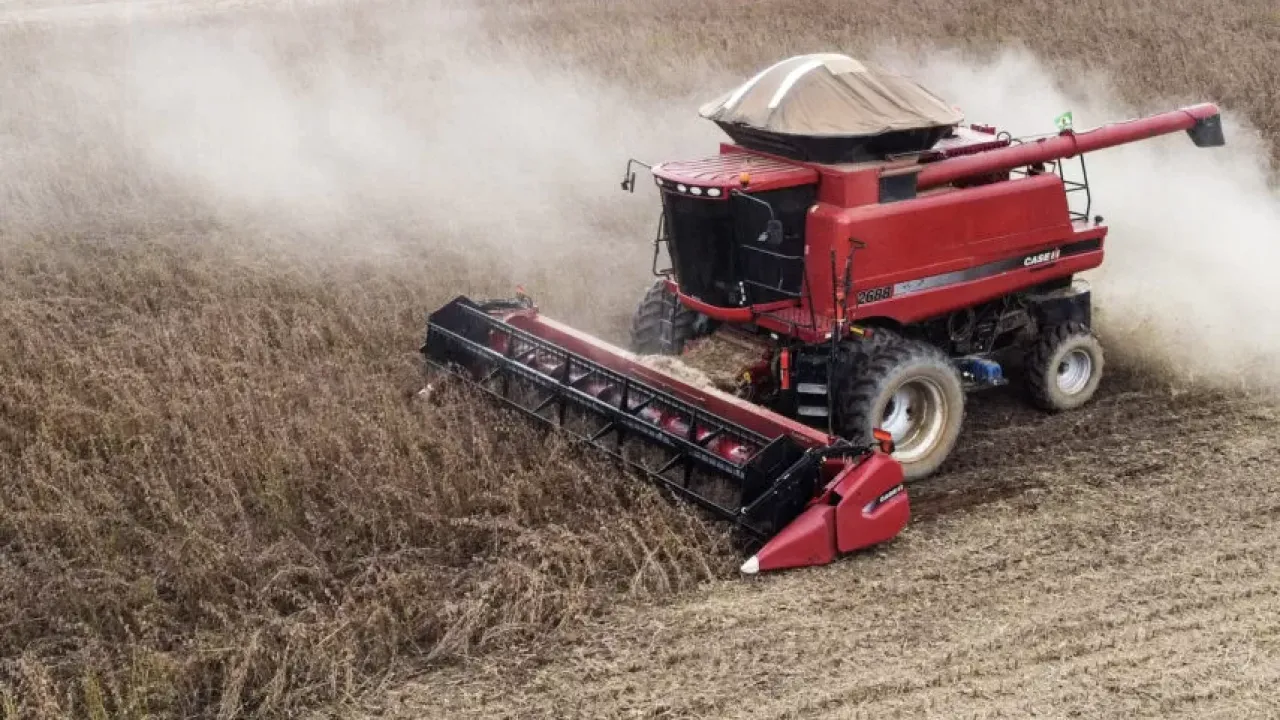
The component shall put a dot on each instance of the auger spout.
(1202, 122)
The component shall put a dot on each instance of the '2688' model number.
(875, 294)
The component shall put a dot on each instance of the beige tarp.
(828, 94)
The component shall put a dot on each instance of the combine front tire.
(1064, 367)
(910, 389)
(662, 325)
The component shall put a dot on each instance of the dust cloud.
(1188, 284)
(367, 130)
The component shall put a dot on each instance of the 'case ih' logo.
(886, 497)
(1044, 257)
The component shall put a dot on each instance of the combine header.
(966, 250)
(809, 494)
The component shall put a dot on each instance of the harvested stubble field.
(220, 234)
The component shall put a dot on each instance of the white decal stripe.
(792, 78)
(979, 272)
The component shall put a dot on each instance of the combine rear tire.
(912, 390)
(1064, 367)
(662, 325)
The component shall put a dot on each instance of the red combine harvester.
(882, 259)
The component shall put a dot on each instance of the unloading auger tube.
(800, 496)
(1203, 123)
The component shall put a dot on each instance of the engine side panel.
(951, 249)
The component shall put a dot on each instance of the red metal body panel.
(948, 232)
(847, 187)
(943, 231)
(863, 518)
(725, 170)
(861, 507)
(810, 539)
(934, 234)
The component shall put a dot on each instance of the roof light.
(695, 191)
(658, 180)
(682, 188)
(713, 192)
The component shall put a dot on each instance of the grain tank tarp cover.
(830, 95)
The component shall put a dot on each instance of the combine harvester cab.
(799, 495)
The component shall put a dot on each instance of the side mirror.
(629, 175)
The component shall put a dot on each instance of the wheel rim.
(1074, 371)
(916, 417)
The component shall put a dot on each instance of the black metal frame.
(1076, 187)
(1069, 186)
(773, 486)
(781, 257)
(658, 240)
(661, 238)
(1073, 186)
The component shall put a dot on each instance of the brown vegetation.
(220, 496)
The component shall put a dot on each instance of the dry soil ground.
(1117, 562)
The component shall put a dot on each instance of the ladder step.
(811, 411)
(805, 388)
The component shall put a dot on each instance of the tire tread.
(1041, 355)
(865, 367)
(646, 323)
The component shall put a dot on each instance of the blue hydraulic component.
(980, 371)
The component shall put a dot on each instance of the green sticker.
(1063, 121)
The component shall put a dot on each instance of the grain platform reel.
(799, 495)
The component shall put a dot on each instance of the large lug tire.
(912, 390)
(1064, 367)
(662, 325)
